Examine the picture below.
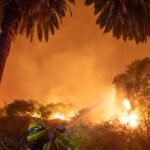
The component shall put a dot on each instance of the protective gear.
(40, 138)
(61, 129)
(35, 131)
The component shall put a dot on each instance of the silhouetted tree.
(18, 16)
(44, 112)
(128, 19)
(135, 84)
(19, 108)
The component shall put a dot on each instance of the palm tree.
(19, 16)
(127, 18)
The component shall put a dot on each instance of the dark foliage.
(134, 83)
(103, 136)
(19, 108)
(129, 19)
(13, 128)
(23, 16)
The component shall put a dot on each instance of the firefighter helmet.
(35, 131)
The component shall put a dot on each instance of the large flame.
(67, 117)
(131, 119)
(128, 116)
(59, 116)
(62, 116)
(36, 115)
(126, 104)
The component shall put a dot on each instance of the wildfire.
(35, 115)
(126, 104)
(59, 116)
(131, 119)
(67, 117)
(128, 116)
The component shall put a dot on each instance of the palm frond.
(128, 19)
(72, 1)
(47, 14)
(26, 15)
(88, 2)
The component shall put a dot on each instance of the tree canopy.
(24, 15)
(129, 19)
(19, 108)
(134, 83)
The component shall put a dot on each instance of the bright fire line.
(59, 116)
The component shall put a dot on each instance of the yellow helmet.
(35, 131)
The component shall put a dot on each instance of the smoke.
(77, 64)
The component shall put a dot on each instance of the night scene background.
(92, 75)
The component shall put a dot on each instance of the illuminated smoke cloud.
(77, 64)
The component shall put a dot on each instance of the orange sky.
(76, 65)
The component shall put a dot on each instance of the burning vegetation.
(128, 128)
(128, 116)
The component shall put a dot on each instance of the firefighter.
(40, 138)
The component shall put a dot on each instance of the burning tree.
(134, 85)
(128, 116)
(33, 109)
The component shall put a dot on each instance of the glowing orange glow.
(72, 114)
(128, 116)
(59, 116)
(126, 104)
(64, 117)
(130, 119)
(35, 115)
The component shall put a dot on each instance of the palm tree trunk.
(5, 43)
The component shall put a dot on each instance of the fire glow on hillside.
(58, 115)
(66, 117)
(126, 116)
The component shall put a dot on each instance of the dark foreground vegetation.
(110, 135)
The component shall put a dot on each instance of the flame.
(126, 104)
(35, 115)
(128, 116)
(67, 117)
(130, 119)
(72, 114)
(59, 116)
